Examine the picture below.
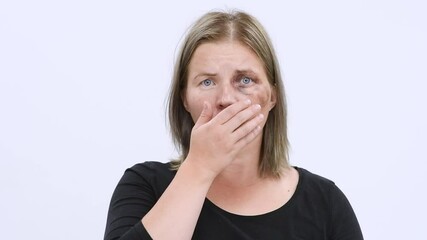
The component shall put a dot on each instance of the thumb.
(205, 115)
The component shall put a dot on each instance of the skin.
(229, 97)
(233, 73)
(222, 75)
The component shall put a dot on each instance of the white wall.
(83, 87)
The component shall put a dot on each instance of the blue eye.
(246, 80)
(207, 82)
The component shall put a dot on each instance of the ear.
(273, 97)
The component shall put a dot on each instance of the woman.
(233, 181)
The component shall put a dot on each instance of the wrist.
(197, 171)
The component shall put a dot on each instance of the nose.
(226, 96)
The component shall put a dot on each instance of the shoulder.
(320, 190)
(150, 174)
(316, 185)
(308, 175)
(317, 194)
(151, 168)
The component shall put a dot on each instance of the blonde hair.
(242, 27)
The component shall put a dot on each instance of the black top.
(317, 210)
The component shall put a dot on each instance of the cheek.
(194, 105)
(259, 94)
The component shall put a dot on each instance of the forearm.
(175, 214)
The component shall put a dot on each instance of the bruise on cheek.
(258, 94)
(246, 91)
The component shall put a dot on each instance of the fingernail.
(257, 106)
(248, 101)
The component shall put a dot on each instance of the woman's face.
(223, 73)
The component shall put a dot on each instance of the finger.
(249, 137)
(242, 117)
(247, 129)
(205, 115)
(226, 114)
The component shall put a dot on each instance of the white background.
(83, 87)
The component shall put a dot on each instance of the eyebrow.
(246, 71)
(205, 75)
(237, 72)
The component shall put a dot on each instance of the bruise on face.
(250, 84)
(228, 68)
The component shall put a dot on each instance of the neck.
(243, 171)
